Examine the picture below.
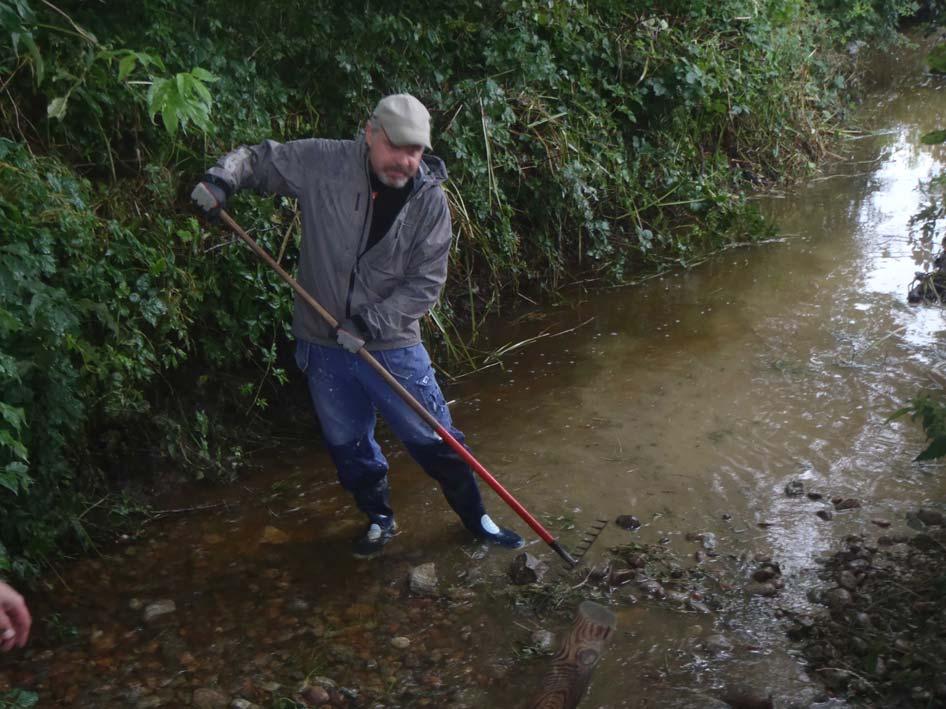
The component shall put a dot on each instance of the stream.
(689, 401)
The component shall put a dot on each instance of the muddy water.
(688, 401)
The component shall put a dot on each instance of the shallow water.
(689, 401)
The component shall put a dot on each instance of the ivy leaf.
(126, 66)
(204, 75)
(57, 107)
(936, 449)
(934, 137)
(26, 39)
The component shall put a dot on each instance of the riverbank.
(877, 637)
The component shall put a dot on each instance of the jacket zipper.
(362, 240)
(364, 226)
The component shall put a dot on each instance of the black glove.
(210, 196)
(350, 336)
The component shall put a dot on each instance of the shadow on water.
(690, 402)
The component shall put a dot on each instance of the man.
(15, 619)
(376, 238)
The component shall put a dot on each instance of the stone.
(157, 609)
(795, 488)
(543, 640)
(847, 580)
(815, 496)
(761, 589)
(835, 679)
(826, 515)
(400, 642)
(848, 503)
(526, 569)
(273, 535)
(209, 699)
(628, 522)
(315, 695)
(924, 542)
(101, 641)
(930, 518)
(240, 703)
(766, 573)
(838, 598)
(423, 579)
(698, 606)
(717, 643)
(652, 588)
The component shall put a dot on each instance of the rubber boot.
(459, 487)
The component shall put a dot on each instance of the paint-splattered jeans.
(347, 395)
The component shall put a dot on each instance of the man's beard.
(396, 183)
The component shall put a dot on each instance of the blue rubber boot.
(484, 528)
(459, 487)
(371, 543)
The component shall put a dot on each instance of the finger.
(20, 617)
(7, 633)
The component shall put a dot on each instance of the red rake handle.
(458, 447)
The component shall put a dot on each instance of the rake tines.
(590, 537)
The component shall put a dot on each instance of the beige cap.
(404, 119)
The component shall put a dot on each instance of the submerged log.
(566, 681)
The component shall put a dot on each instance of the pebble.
(838, 598)
(208, 699)
(628, 522)
(543, 640)
(159, 608)
(273, 535)
(848, 503)
(847, 580)
(930, 518)
(761, 589)
(400, 642)
(423, 579)
(240, 703)
(698, 606)
(795, 488)
(526, 569)
(718, 643)
(653, 588)
(826, 515)
(316, 695)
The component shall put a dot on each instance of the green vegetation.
(930, 410)
(585, 140)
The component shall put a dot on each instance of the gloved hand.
(349, 336)
(209, 196)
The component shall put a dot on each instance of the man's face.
(394, 165)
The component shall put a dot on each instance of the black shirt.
(387, 204)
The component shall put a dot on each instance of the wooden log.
(568, 678)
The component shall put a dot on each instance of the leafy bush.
(583, 139)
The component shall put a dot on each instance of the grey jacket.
(390, 286)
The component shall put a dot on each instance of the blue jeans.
(348, 394)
